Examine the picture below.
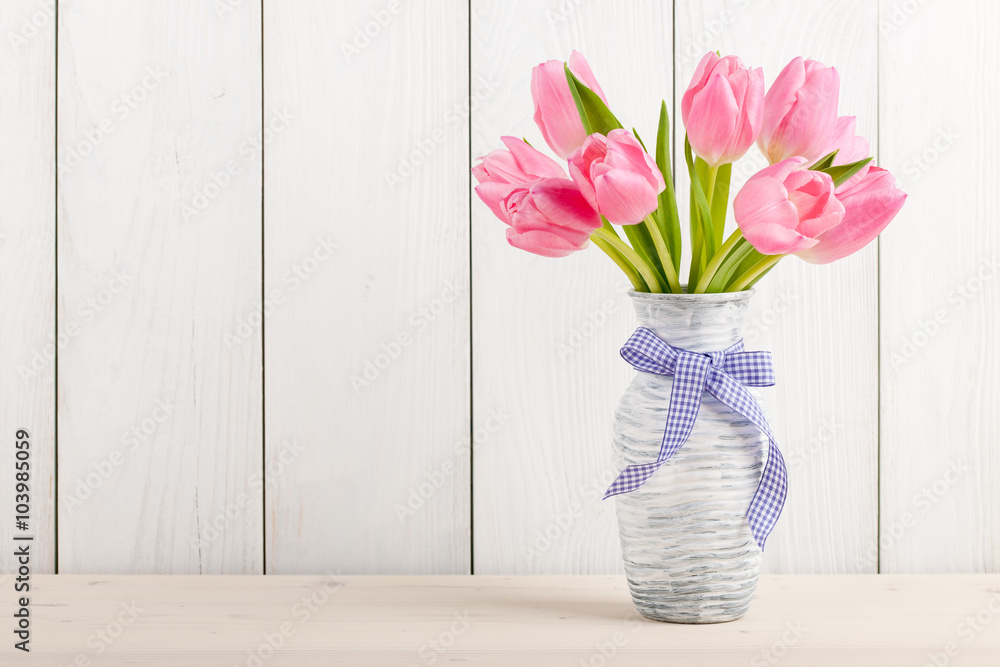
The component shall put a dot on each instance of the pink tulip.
(869, 206)
(617, 177)
(550, 218)
(723, 108)
(555, 110)
(783, 208)
(502, 171)
(800, 112)
(850, 148)
(546, 212)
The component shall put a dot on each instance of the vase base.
(695, 618)
(696, 601)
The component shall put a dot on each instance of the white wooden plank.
(820, 321)
(807, 621)
(159, 260)
(367, 382)
(940, 289)
(547, 331)
(27, 270)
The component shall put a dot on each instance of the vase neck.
(694, 322)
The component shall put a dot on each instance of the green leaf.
(701, 203)
(667, 217)
(639, 139)
(593, 111)
(720, 201)
(752, 258)
(640, 240)
(841, 173)
(623, 263)
(726, 272)
(825, 161)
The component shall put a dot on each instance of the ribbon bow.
(725, 375)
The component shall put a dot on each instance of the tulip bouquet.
(819, 198)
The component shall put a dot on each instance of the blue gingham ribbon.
(725, 375)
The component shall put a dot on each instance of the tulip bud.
(617, 177)
(723, 108)
(555, 110)
(800, 112)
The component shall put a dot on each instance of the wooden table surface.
(800, 621)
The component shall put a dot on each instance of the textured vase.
(689, 554)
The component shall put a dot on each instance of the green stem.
(632, 256)
(717, 261)
(673, 282)
(713, 174)
(755, 272)
(623, 264)
(609, 228)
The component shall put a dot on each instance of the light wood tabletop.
(800, 621)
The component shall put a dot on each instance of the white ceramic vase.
(689, 554)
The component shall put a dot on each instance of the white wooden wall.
(291, 342)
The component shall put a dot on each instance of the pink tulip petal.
(542, 243)
(701, 73)
(774, 239)
(500, 165)
(625, 197)
(555, 110)
(716, 110)
(779, 99)
(492, 195)
(625, 152)
(532, 161)
(800, 111)
(869, 208)
(560, 200)
(579, 66)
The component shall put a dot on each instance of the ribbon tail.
(769, 499)
(632, 477)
